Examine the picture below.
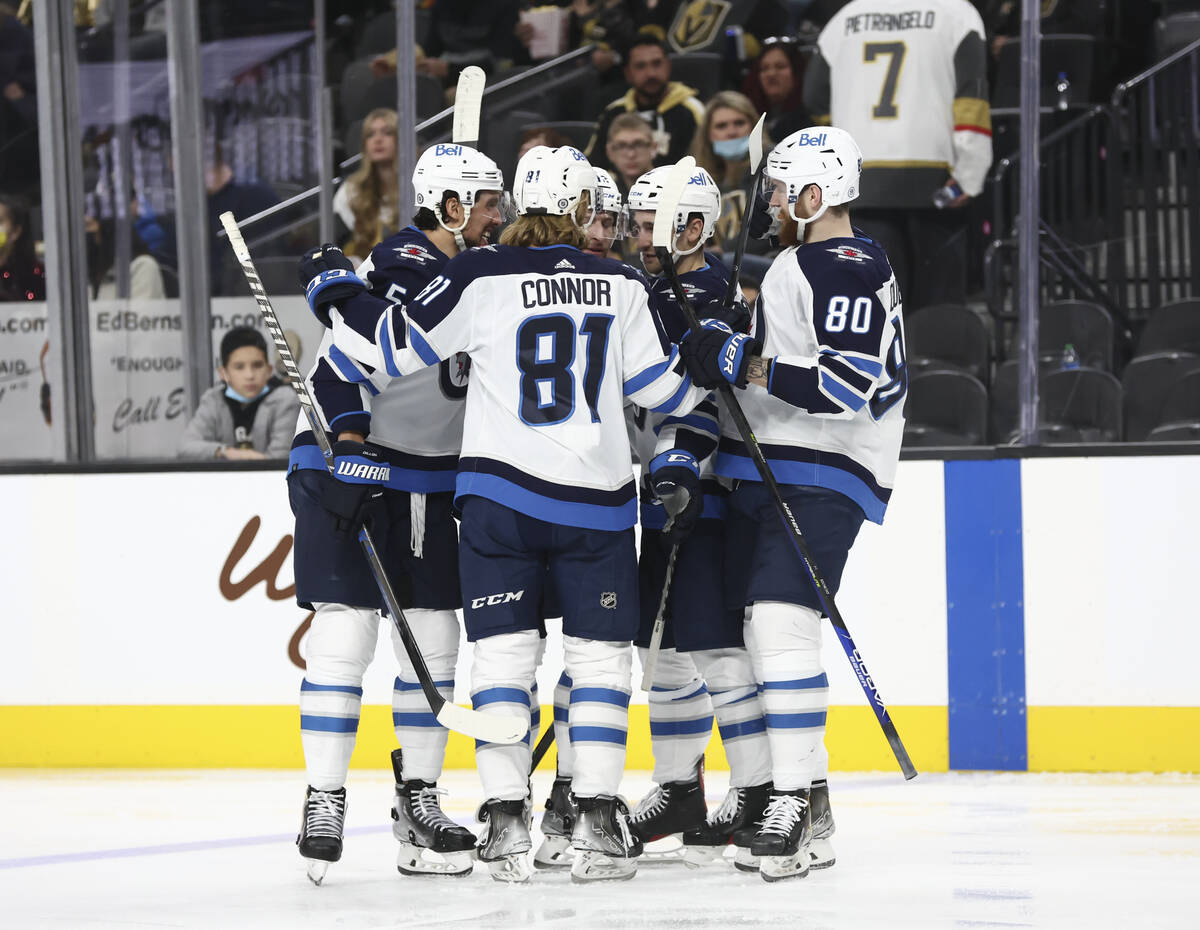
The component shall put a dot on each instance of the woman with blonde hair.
(367, 200)
(722, 148)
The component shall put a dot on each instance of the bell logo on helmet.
(698, 179)
(578, 155)
(443, 149)
(811, 140)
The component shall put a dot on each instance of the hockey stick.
(663, 233)
(660, 622)
(491, 728)
(756, 157)
(467, 100)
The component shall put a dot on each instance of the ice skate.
(782, 841)
(737, 817)
(820, 850)
(321, 826)
(430, 842)
(555, 850)
(606, 848)
(669, 810)
(505, 840)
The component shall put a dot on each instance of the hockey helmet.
(821, 155)
(454, 167)
(554, 181)
(608, 201)
(700, 195)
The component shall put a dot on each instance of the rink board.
(1015, 614)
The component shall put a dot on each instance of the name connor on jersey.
(545, 292)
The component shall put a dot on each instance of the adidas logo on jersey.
(360, 472)
(564, 264)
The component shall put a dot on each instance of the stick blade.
(467, 101)
(756, 144)
(491, 728)
(668, 200)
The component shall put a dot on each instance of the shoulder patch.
(849, 253)
(414, 252)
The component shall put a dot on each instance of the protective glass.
(607, 226)
(633, 228)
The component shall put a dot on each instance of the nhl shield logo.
(608, 600)
(697, 24)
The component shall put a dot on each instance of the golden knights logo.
(697, 24)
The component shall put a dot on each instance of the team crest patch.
(413, 253)
(849, 253)
(697, 24)
(608, 600)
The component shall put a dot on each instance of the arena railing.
(1120, 207)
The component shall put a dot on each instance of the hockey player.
(409, 432)
(607, 229)
(826, 364)
(703, 666)
(558, 339)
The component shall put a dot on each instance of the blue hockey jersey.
(829, 314)
(415, 423)
(558, 340)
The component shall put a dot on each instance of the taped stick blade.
(467, 101)
(756, 144)
(668, 201)
(235, 236)
(491, 728)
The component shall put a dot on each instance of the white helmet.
(700, 195)
(821, 155)
(608, 200)
(458, 168)
(553, 181)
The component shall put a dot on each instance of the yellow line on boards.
(268, 736)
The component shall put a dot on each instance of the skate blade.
(746, 861)
(513, 869)
(554, 853)
(316, 869)
(416, 860)
(780, 868)
(696, 856)
(665, 849)
(820, 854)
(592, 866)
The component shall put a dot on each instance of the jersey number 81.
(545, 357)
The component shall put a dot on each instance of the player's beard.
(789, 230)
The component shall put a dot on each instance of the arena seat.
(946, 407)
(1084, 325)
(948, 335)
(1175, 326)
(1080, 405)
(1146, 382)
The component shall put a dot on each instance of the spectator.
(630, 149)
(722, 148)
(19, 169)
(145, 275)
(367, 201)
(251, 416)
(462, 33)
(775, 85)
(668, 107)
(22, 276)
(540, 135)
(610, 26)
(912, 89)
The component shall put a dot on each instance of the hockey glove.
(715, 354)
(356, 488)
(328, 277)
(736, 317)
(763, 223)
(675, 477)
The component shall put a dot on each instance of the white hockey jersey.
(558, 340)
(829, 316)
(908, 80)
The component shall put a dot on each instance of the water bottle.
(1063, 87)
(1070, 359)
(944, 196)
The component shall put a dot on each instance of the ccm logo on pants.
(493, 599)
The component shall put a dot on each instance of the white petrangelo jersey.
(908, 80)
(829, 315)
(558, 340)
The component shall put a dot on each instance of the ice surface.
(151, 849)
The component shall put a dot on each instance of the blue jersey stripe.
(500, 695)
(798, 684)
(796, 721)
(677, 398)
(421, 346)
(840, 393)
(600, 696)
(385, 344)
(414, 719)
(597, 735)
(681, 727)
(306, 685)
(745, 728)
(328, 724)
(401, 685)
